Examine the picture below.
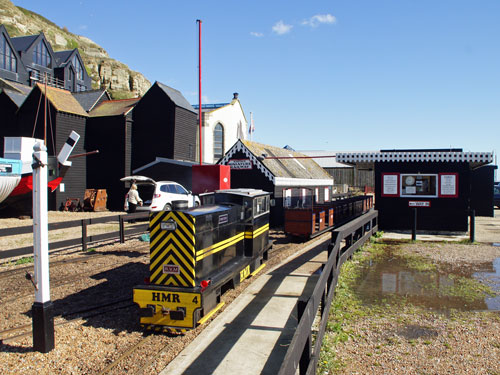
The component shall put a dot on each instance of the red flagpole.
(199, 84)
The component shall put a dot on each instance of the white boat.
(10, 176)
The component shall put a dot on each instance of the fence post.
(305, 358)
(414, 225)
(84, 235)
(472, 229)
(122, 229)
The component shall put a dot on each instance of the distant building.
(222, 125)
(290, 177)
(30, 60)
(344, 176)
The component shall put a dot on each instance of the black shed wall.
(8, 120)
(75, 179)
(482, 190)
(153, 128)
(109, 135)
(445, 214)
(185, 141)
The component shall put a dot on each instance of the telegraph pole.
(42, 309)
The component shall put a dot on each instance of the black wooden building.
(165, 126)
(292, 178)
(109, 130)
(64, 114)
(443, 185)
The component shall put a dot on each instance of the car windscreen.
(180, 189)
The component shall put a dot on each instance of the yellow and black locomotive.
(196, 254)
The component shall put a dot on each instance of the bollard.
(414, 226)
(472, 223)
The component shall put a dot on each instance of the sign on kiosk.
(419, 203)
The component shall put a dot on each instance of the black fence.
(303, 354)
(85, 240)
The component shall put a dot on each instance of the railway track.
(62, 319)
(59, 282)
(24, 269)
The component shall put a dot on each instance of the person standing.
(133, 199)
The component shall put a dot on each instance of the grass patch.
(25, 260)
(345, 307)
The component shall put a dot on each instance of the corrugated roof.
(22, 43)
(16, 97)
(280, 162)
(114, 107)
(326, 159)
(62, 100)
(88, 99)
(176, 97)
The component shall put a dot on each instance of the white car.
(159, 195)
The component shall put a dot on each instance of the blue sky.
(318, 75)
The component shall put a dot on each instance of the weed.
(24, 260)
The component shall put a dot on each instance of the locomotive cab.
(196, 254)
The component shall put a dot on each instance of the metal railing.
(85, 240)
(302, 354)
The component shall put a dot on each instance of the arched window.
(7, 58)
(41, 55)
(218, 142)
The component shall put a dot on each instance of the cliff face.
(116, 77)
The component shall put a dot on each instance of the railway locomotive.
(197, 254)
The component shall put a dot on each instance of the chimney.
(235, 95)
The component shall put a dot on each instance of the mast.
(45, 114)
(199, 86)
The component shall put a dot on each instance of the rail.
(85, 239)
(303, 354)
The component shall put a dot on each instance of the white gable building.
(222, 125)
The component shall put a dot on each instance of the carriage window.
(260, 205)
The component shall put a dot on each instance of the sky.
(343, 75)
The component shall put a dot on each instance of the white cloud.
(83, 27)
(318, 19)
(281, 28)
(256, 34)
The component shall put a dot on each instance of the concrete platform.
(252, 335)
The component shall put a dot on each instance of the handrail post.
(305, 358)
(122, 229)
(472, 229)
(414, 225)
(84, 234)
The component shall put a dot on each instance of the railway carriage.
(196, 254)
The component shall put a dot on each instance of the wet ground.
(392, 275)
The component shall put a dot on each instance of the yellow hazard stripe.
(219, 246)
(258, 232)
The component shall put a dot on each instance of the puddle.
(492, 279)
(390, 275)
